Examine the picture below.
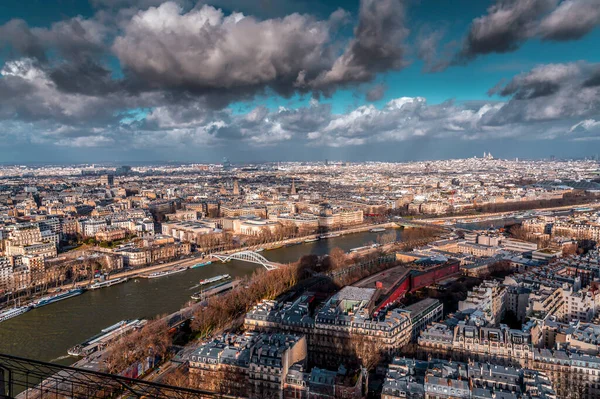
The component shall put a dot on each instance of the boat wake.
(60, 358)
(196, 286)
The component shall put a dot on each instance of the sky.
(294, 80)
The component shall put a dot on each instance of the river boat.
(197, 265)
(47, 300)
(215, 290)
(215, 279)
(107, 283)
(166, 272)
(105, 336)
(14, 312)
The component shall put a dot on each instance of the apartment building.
(253, 364)
(469, 339)
(304, 221)
(111, 234)
(343, 320)
(24, 234)
(89, 227)
(341, 217)
(582, 305)
(422, 314)
(188, 231)
(6, 270)
(490, 298)
(435, 379)
(324, 384)
(47, 250)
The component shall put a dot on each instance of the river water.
(46, 333)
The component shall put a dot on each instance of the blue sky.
(89, 83)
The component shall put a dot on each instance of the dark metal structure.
(31, 379)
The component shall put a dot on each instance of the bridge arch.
(248, 256)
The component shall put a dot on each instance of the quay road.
(197, 258)
(46, 333)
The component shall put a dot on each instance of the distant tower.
(236, 188)
(226, 164)
(107, 180)
(223, 190)
(293, 190)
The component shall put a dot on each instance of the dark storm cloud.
(22, 42)
(572, 20)
(378, 46)
(200, 53)
(376, 92)
(549, 92)
(84, 77)
(181, 65)
(509, 23)
(505, 27)
(29, 94)
(428, 49)
(73, 38)
(204, 51)
(77, 45)
(305, 119)
(594, 79)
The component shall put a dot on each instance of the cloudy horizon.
(150, 80)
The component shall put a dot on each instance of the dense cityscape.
(299, 199)
(470, 277)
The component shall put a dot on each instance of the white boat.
(259, 250)
(197, 265)
(57, 297)
(377, 230)
(214, 279)
(330, 235)
(106, 336)
(9, 314)
(107, 283)
(114, 326)
(166, 273)
(358, 249)
(311, 239)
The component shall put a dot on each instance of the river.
(46, 333)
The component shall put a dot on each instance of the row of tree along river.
(46, 333)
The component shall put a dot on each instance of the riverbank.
(440, 219)
(197, 258)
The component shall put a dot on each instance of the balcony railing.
(30, 379)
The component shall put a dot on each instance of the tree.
(153, 338)
(368, 351)
(569, 249)
(387, 238)
(338, 258)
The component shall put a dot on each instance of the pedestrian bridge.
(249, 256)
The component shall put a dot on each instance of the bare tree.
(338, 258)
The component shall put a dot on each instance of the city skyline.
(391, 80)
